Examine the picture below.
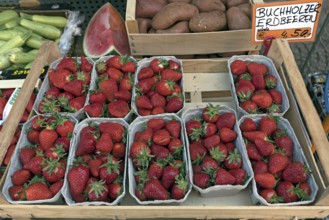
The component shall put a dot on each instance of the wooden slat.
(130, 10)
(206, 82)
(205, 66)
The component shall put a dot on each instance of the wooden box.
(207, 81)
(186, 43)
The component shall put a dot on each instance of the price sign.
(295, 21)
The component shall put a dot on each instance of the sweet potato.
(208, 21)
(144, 24)
(172, 13)
(148, 8)
(180, 27)
(246, 8)
(237, 20)
(232, 3)
(186, 1)
(209, 5)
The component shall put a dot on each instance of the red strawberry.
(109, 87)
(20, 177)
(179, 189)
(139, 194)
(274, 108)
(285, 142)
(77, 179)
(123, 95)
(243, 76)
(253, 135)
(64, 126)
(26, 154)
(48, 106)
(158, 100)
(174, 104)
(16, 193)
(168, 176)
(126, 83)
(265, 180)
(116, 130)
(53, 170)
(47, 138)
(208, 164)
(75, 87)
(115, 74)
(285, 190)
(248, 125)
(249, 106)
(304, 192)
(201, 180)
(264, 147)
(253, 152)
(259, 81)
(155, 170)
(3, 103)
(33, 136)
(9, 154)
(141, 153)
(104, 143)
(37, 122)
(109, 171)
(244, 90)
(260, 167)
(144, 73)
(153, 189)
(118, 109)
(94, 165)
(238, 67)
(233, 160)
(143, 101)
(94, 110)
(227, 135)
(276, 96)
(175, 146)
(158, 65)
(277, 162)
(85, 147)
(159, 151)
(210, 113)
(156, 123)
(161, 137)
(85, 65)
(76, 104)
(59, 78)
(38, 191)
(144, 112)
(169, 74)
(270, 81)
(144, 136)
(52, 93)
(114, 190)
(226, 120)
(211, 142)
(173, 65)
(262, 100)
(271, 196)
(100, 67)
(223, 177)
(239, 174)
(119, 150)
(208, 129)
(114, 61)
(145, 85)
(129, 67)
(257, 68)
(25, 117)
(6, 93)
(219, 153)
(84, 77)
(165, 87)
(97, 190)
(295, 173)
(174, 128)
(97, 97)
(197, 151)
(68, 63)
(268, 125)
(191, 125)
(56, 152)
(64, 98)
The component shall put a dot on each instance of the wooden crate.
(186, 43)
(207, 81)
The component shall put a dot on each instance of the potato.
(151, 31)
(148, 8)
(172, 13)
(180, 27)
(246, 8)
(237, 20)
(144, 24)
(232, 3)
(209, 5)
(224, 1)
(208, 21)
(186, 1)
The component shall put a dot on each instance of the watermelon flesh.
(106, 34)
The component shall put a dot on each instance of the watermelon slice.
(106, 34)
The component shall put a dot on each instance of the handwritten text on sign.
(293, 20)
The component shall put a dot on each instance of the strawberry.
(25, 117)
(201, 180)
(227, 135)
(97, 97)
(85, 65)
(119, 150)
(64, 126)
(56, 152)
(169, 174)
(179, 188)
(104, 143)
(116, 130)
(253, 135)
(33, 136)
(139, 193)
(145, 85)
(262, 100)
(248, 125)
(260, 167)
(75, 87)
(59, 78)
(270, 81)
(155, 170)
(253, 152)
(52, 93)
(48, 106)
(223, 177)
(274, 108)
(285, 190)
(124, 95)
(169, 74)
(285, 142)
(173, 65)
(141, 153)
(161, 137)
(174, 104)
(243, 76)
(29, 106)
(47, 138)
(295, 172)
(209, 165)
(3, 103)
(210, 113)
(118, 109)
(197, 151)
(191, 125)
(53, 170)
(265, 180)
(175, 146)
(159, 151)
(129, 67)
(158, 100)
(38, 191)
(219, 153)
(143, 101)
(240, 175)
(153, 189)
(276, 96)
(303, 191)
(208, 129)
(271, 196)
(114, 73)
(211, 141)
(20, 177)
(68, 63)
(9, 154)
(244, 90)
(64, 98)
(56, 187)
(94, 165)
(277, 162)
(6, 93)
(85, 147)
(109, 171)
(165, 87)
(145, 135)
(257, 68)
(268, 125)
(144, 112)
(94, 110)
(233, 160)
(144, 73)
(264, 147)
(109, 87)
(98, 190)
(114, 61)
(157, 65)
(84, 77)
(126, 83)
(76, 104)
(16, 193)
(26, 154)
(37, 122)
(238, 67)
(226, 120)
(174, 128)
(249, 106)
(100, 67)
(156, 123)
(259, 81)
